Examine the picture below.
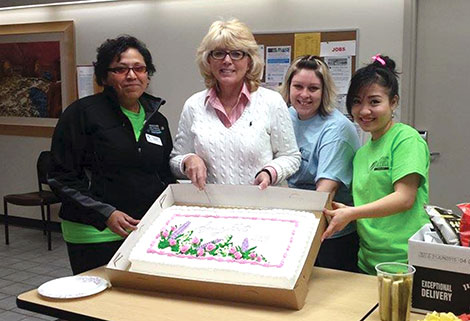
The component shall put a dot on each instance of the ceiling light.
(21, 4)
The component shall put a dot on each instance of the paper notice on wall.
(277, 63)
(85, 81)
(261, 55)
(340, 70)
(338, 48)
(341, 103)
(307, 43)
(261, 52)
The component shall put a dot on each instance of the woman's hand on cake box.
(263, 179)
(340, 216)
(196, 171)
(120, 223)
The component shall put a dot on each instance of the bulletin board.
(288, 39)
(337, 48)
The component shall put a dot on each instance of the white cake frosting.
(237, 246)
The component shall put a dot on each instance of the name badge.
(154, 140)
(155, 129)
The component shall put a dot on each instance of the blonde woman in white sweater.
(234, 132)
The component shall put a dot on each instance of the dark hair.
(381, 72)
(112, 48)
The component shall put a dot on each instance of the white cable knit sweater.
(262, 136)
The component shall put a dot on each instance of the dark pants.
(339, 253)
(84, 257)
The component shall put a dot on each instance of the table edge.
(50, 311)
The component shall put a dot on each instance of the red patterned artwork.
(30, 79)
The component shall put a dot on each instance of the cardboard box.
(223, 196)
(442, 279)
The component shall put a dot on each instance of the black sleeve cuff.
(267, 172)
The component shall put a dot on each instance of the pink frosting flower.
(232, 250)
(184, 248)
(195, 240)
(200, 252)
(252, 255)
(210, 247)
(165, 233)
(172, 242)
(258, 258)
(237, 255)
(173, 228)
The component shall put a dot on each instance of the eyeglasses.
(125, 70)
(221, 54)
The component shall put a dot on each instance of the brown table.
(374, 316)
(333, 295)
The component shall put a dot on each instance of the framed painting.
(37, 76)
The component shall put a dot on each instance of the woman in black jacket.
(110, 155)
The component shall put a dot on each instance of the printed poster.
(277, 62)
(338, 48)
(340, 70)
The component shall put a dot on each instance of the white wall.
(172, 29)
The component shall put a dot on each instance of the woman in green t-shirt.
(390, 172)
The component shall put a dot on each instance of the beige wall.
(173, 29)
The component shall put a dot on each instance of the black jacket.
(97, 165)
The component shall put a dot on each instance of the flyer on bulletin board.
(307, 43)
(338, 48)
(261, 55)
(340, 70)
(277, 63)
(261, 51)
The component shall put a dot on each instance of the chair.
(42, 198)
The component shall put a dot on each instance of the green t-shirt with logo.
(376, 167)
(82, 233)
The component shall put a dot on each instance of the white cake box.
(442, 278)
(242, 196)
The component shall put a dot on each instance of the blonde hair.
(233, 35)
(328, 97)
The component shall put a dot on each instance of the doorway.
(437, 52)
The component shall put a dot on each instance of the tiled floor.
(24, 265)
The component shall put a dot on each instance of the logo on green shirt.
(382, 164)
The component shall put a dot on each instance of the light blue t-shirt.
(327, 144)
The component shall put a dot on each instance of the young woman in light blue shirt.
(327, 141)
